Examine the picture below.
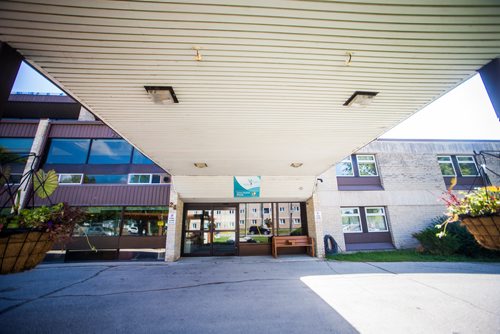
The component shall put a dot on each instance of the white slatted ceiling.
(272, 82)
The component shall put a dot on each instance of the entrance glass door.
(210, 231)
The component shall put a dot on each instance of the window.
(344, 168)
(70, 178)
(194, 226)
(105, 179)
(296, 208)
(467, 166)
(68, 151)
(139, 178)
(242, 222)
(375, 220)
(282, 209)
(110, 151)
(446, 165)
(16, 145)
(217, 212)
(266, 211)
(282, 221)
(217, 225)
(231, 211)
(231, 224)
(296, 220)
(254, 221)
(140, 159)
(351, 221)
(254, 210)
(366, 165)
(242, 210)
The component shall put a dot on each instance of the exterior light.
(200, 165)
(360, 99)
(296, 164)
(162, 94)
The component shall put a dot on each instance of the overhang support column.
(10, 61)
(174, 226)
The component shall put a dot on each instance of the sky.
(463, 113)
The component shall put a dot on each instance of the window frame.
(374, 163)
(347, 159)
(376, 215)
(67, 184)
(352, 215)
(140, 174)
(451, 162)
(472, 162)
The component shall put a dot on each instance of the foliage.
(58, 220)
(435, 245)
(480, 202)
(407, 255)
(458, 240)
(45, 183)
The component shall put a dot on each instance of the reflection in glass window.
(366, 165)
(139, 178)
(282, 221)
(105, 179)
(70, 178)
(255, 226)
(467, 166)
(375, 219)
(68, 151)
(101, 222)
(344, 168)
(145, 221)
(16, 145)
(110, 151)
(140, 159)
(351, 221)
(446, 166)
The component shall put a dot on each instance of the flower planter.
(22, 249)
(485, 229)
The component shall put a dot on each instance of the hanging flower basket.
(22, 249)
(485, 229)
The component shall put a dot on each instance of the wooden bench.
(292, 241)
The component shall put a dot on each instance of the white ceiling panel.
(273, 78)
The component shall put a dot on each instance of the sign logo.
(246, 186)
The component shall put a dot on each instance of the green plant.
(58, 220)
(434, 244)
(480, 202)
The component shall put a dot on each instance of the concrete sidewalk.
(250, 295)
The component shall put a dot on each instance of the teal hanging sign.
(246, 186)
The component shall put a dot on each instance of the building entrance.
(209, 230)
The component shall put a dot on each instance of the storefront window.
(144, 221)
(105, 179)
(256, 222)
(102, 221)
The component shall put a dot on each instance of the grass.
(407, 255)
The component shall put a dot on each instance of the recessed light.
(296, 164)
(200, 165)
(359, 99)
(162, 94)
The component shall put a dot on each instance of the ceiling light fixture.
(360, 99)
(296, 164)
(162, 94)
(200, 165)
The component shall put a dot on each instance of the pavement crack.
(48, 294)
(381, 268)
(172, 288)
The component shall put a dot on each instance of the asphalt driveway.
(252, 295)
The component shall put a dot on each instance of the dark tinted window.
(68, 151)
(110, 151)
(104, 179)
(16, 145)
(140, 158)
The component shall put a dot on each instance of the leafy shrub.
(432, 244)
(457, 241)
